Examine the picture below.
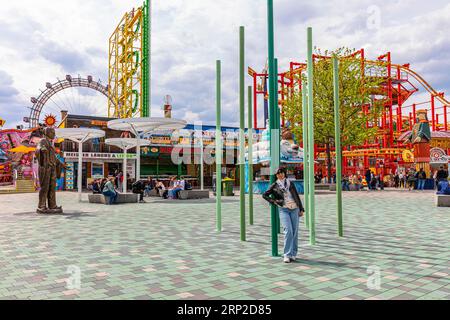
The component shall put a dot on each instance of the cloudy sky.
(42, 40)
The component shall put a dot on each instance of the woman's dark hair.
(281, 170)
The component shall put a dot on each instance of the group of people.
(406, 179)
(409, 178)
(110, 188)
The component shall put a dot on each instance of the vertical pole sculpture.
(337, 128)
(219, 149)
(276, 159)
(312, 187)
(242, 129)
(80, 169)
(305, 152)
(250, 155)
(272, 77)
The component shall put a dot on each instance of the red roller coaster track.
(396, 89)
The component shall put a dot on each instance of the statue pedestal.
(50, 211)
(422, 157)
(422, 152)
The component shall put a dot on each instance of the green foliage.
(356, 91)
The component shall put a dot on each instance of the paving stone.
(170, 250)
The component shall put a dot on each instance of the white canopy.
(143, 125)
(79, 134)
(127, 143)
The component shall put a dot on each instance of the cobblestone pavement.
(170, 250)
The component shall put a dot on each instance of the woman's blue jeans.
(290, 221)
(173, 193)
(421, 185)
(111, 195)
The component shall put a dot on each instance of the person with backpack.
(411, 179)
(284, 195)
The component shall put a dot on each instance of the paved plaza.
(170, 250)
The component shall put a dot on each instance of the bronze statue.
(49, 170)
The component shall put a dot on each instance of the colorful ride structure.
(398, 84)
(129, 65)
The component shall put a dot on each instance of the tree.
(357, 91)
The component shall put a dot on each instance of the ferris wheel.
(71, 95)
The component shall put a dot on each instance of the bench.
(443, 200)
(352, 187)
(194, 194)
(121, 198)
(154, 193)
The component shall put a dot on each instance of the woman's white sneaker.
(287, 259)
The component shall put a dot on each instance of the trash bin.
(228, 187)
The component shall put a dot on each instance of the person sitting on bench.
(150, 185)
(110, 192)
(96, 187)
(138, 188)
(179, 185)
(160, 187)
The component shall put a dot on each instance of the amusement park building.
(101, 160)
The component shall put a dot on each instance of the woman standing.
(284, 194)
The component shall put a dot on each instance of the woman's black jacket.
(275, 195)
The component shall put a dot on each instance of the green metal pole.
(305, 152)
(242, 130)
(337, 127)
(312, 187)
(219, 149)
(250, 155)
(278, 141)
(272, 121)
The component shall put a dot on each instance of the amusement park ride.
(128, 89)
(398, 117)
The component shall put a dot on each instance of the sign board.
(438, 155)
(99, 156)
(69, 176)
